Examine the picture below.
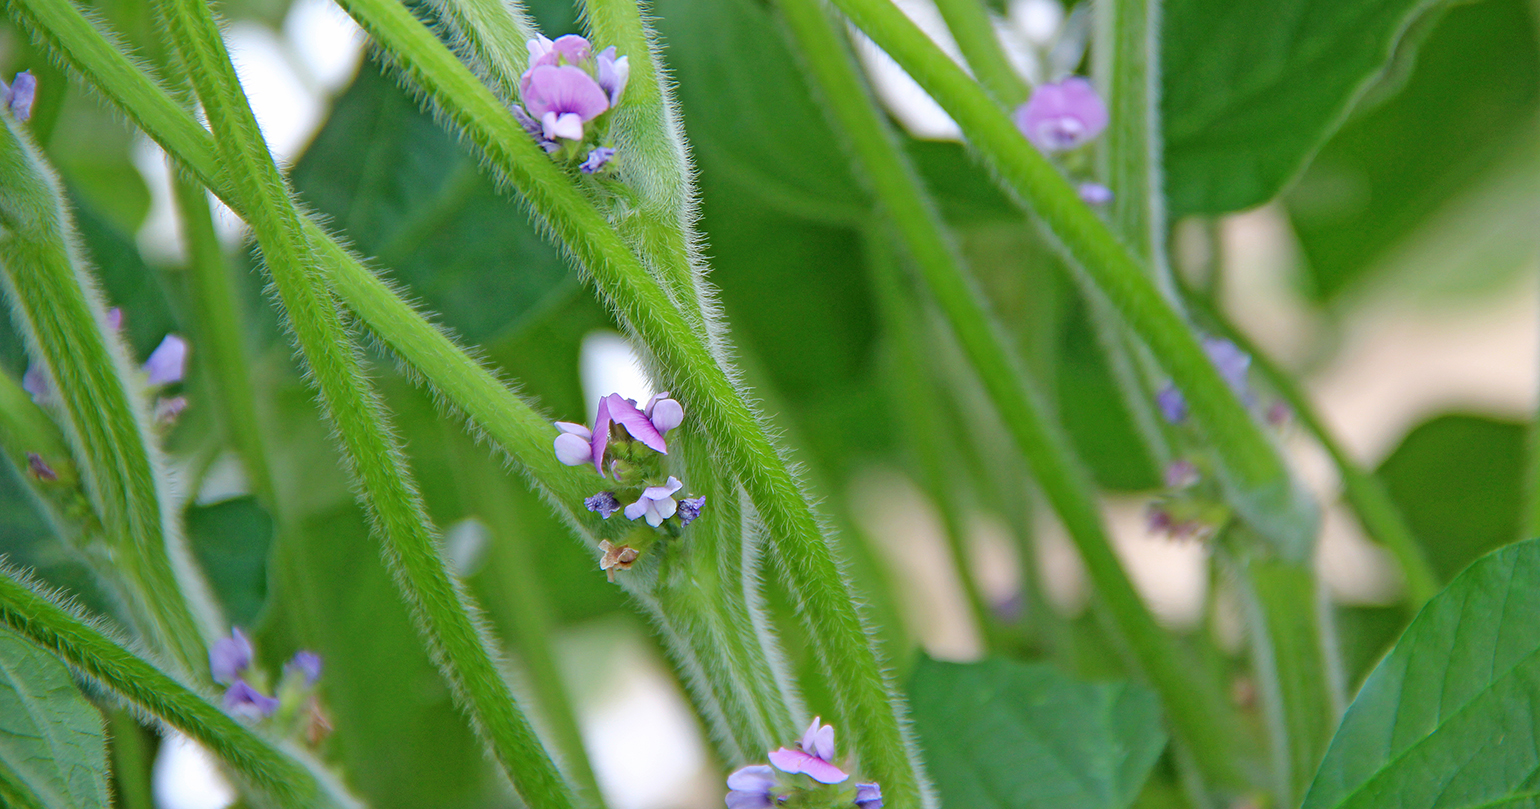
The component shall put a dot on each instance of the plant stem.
(1381, 519)
(288, 781)
(969, 22)
(130, 760)
(1194, 708)
(447, 618)
(56, 303)
(1257, 480)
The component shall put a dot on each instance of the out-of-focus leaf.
(53, 746)
(1458, 479)
(962, 189)
(1000, 734)
(1470, 99)
(403, 190)
(232, 540)
(91, 146)
(1448, 719)
(1250, 88)
(748, 109)
(1092, 410)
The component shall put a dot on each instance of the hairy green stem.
(104, 415)
(446, 617)
(1377, 513)
(1254, 472)
(287, 779)
(1194, 707)
(130, 760)
(971, 26)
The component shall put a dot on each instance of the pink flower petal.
(796, 761)
(636, 423)
(564, 89)
(601, 437)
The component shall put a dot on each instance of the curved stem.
(105, 419)
(1259, 483)
(288, 781)
(447, 619)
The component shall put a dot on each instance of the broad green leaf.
(1448, 719)
(1459, 481)
(231, 540)
(1000, 734)
(748, 110)
(1251, 88)
(1391, 167)
(53, 746)
(407, 193)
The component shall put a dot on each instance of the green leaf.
(231, 540)
(749, 112)
(1003, 734)
(1389, 169)
(1251, 88)
(1459, 481)
(1448, 719)
(405, 191)
(53, 746)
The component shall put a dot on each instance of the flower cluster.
(804, 777)
(166, 366)
(626, 445)
(1192, 506)
(565, 93)
(296, 705)
(1062, 116)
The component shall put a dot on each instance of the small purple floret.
(868, 796)
(751, 787)
(35, 383)
(656, 503)
(167, 362)
(248, 703)
(1232, 362)
(562, 98)
(574, 447)
(604, 504)
(1094, 193)
(818, 740)
(689, 509)
(169, 409)
(613, 73)
(306, 663)
(570, 49)
(664, 412)
(1062, 115)
(228, 657)
(1173, 406)
(20, 95)
(597, 159)
(40, 468)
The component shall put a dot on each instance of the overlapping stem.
(445, 615)
(280, 776)
(969, 22)
(1258, 481)
(104, 418)
(1194, 707)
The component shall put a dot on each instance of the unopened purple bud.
(306, 663)
(868, 796)
(572, 449)
(1180, 474)
(689, 509)
(1062, 115)
(169, 409)
(751, 787)
(228, 657)
(248, 703)
(612, 73)
(597, 159)
(1279, 414)
(19, 96)
(1173, 406)
(604, 504)
(1094, 193)
(664, 412)
(35, 383)
(1232, 362)
(818, 739)
(40, 468)
(115, 319)
(167, 362)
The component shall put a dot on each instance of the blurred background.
(1395, 277)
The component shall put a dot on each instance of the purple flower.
(597, 159)
(248, 703)
(168, 410)
(656, 503)
(570, 49)
(604, 504)
(813, 759)
(622, 411)
(689, 509)
(19, 95)
(563, 98)
(1181, 474)
(613, 73)
(534, 129)
(306, 663)
(868, 796)
(40, 468)
(35, 382)
(228, 657)
(751, 788)
(115, 319)
(574, 447)
(1094, 193)
(664, 413)
(1172, 405)
(1232, 362)
(1062, 115)
(167, 362)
